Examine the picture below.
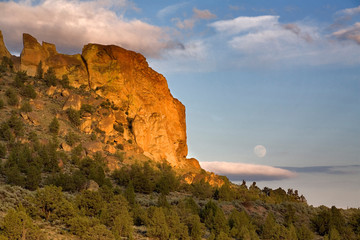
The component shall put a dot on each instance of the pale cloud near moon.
(244, 171)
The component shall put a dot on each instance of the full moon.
(260, 151)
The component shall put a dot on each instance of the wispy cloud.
(170, 10)
(197, 16)
(298, 31)
(203, 14)
(350, 33)
(245, 24)
(350, 11)
(72, 23)
(250, 172)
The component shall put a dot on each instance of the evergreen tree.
(214, 218)
(50, 77)
(123, 225)
(39, 71)
(90, 203)
(18, 225)
(130, 193)
(157, 225)
(54, 126)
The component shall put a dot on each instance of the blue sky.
(282, 74)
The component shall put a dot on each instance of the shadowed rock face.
(72, 65)
(3, 50)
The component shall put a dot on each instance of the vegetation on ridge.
(54, 187)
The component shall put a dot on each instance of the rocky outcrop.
(71, 65)
(155, 120)
(3, 50)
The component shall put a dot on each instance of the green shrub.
(14, 176)
(2, 150)
(89, 203)
(98, 232)
(241, 226)
(71, 138)
(33, 177)
(120, 155)
(18, 225)
(5, 132)
(13, 98)
(54, 126)
(16, 124)
(79, 225)
(20, 79)
(26, 107)
(93, 136)
(214, 218)
(70, 183)
(6, 64)
(28, 91)
(74, 116)
(51, 204)
(39, 71)
(156, 224)
(98, 130)
(65, 83)
(106, 104)
(94, 171)
(50, 77)
(123, 225)
(118, 206)
(1, 103)
(120, 146)
(119, 127)
(86, 108)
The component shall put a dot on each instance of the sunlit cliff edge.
(154, 121)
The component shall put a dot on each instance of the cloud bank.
(250, 172)
(337, 170)
(72, 23)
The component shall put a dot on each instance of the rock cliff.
(157, 119)
(138, 96)
(3, 50)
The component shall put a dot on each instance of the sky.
(281, 75)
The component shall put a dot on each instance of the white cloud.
(197, 16)
(245, 24)
(72, 23)
(170, 10)
(351, 11)
(243, 171)
(350, 33)
(203, 14)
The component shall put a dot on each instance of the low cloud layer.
(72, 23)
(249, 172)
(338, 170)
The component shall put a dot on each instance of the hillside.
(93, 146)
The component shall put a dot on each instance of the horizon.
(269, 86)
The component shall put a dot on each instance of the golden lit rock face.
(157, 119)
(72, 65)
(3, 50)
